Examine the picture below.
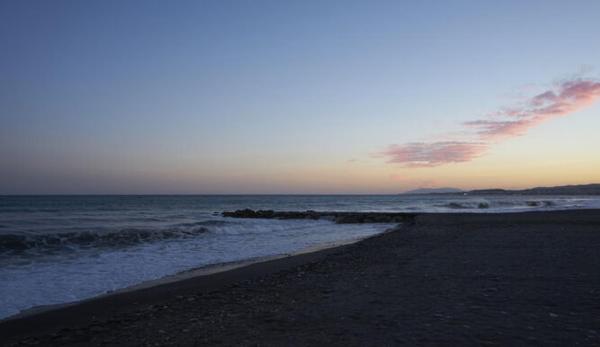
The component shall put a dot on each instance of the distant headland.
(582, 189)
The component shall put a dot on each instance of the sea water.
(60, 249)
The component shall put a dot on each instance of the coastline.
(204, 278)
(200, 271)
(91, 319)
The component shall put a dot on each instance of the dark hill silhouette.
(583, 189)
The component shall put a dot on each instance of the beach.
(438, 279)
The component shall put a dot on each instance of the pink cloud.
(419, 154)
(489, 129)
(565, 99)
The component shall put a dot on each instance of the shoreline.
(192, 273)
(207, 277)
(436, 228)
(101, 307)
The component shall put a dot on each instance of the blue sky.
(283, 97)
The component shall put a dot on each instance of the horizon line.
(280, 194)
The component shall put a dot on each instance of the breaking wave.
(495, 204)
(90, 239)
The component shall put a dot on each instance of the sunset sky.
(228, 97)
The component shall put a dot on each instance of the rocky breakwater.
(337, 217)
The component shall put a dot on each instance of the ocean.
(60, 249)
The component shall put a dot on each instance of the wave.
(10, 243)
(496, 204)
(465, 205)
(205, 223)
(545, 203)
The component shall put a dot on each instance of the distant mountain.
(433, 191)
(583, 189)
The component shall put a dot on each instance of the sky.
(301, 97)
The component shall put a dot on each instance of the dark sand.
(446, 279)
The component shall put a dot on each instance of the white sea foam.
(64, 277)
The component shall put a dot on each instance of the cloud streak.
(562, 100)
(569, 97)
(421, 154)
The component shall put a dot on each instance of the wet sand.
(443, 279)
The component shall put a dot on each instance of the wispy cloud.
(421, 154)
(562, 100)
(568, 97)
